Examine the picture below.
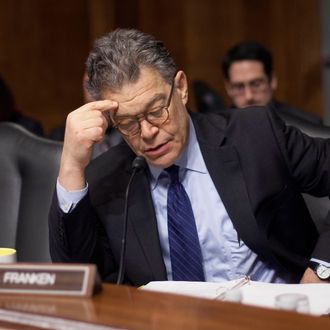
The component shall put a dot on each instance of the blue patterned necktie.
(185, 251)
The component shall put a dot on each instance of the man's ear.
(228, 89)
(273, 82)
(181, 86)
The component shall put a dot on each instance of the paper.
(253, 293)
(195, 289)
(263, 295)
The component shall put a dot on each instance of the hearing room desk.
(130, 308)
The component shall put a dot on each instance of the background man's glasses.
(131, 125)
(256, 86)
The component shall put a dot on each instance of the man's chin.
(161, 162)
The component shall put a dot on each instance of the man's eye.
(256, 83)
(156, 113)
(238, 87)
(126, 123)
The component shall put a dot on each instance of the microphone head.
(139, 163)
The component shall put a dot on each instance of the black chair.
(307, 127)
(207, 99)
(28, 170)
(318, 207)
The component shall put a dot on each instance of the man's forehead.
(246, 69)
(139, 101)
(148, 84)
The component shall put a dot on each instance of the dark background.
(44, 44)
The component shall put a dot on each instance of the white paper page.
(196, 289)
(263, 294)
(254, 293)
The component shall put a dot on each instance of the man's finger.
(104, 105)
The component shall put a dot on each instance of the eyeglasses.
(131, 125)
(256, 86)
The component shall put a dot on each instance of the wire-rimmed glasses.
(131, 125)
(256, 86)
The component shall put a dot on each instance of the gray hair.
(117, 58)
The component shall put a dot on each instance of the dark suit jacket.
(289, 114)
(259, 167)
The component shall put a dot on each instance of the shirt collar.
(190, 159)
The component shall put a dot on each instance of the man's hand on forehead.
(107, 107)
(104, 105)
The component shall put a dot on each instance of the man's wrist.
(68, 200)
(321, 270)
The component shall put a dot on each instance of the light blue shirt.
(224, 256)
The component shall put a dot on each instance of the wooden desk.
(130, 308)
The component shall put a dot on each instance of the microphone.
(139, 164)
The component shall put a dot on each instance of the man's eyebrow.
(248, 81)
(157, 97)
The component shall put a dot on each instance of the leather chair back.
(28, 170)
(207, 99)
(307, 127)
(319, 207)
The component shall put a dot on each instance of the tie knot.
(173, 171)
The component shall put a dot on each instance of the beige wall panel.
(43, 48)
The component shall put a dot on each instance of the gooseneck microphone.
(139, 163)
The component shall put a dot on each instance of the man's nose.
(248, 94)
(147, 130)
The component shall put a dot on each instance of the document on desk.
(252, 292)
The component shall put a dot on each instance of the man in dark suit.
(243, 172)
(250, 80)
(9, 112)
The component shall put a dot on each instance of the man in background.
(250, 80)
(9, 112)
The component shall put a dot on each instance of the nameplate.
(49, 279)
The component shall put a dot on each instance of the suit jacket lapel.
(143, 220)
(225, 170)
(141, 215)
